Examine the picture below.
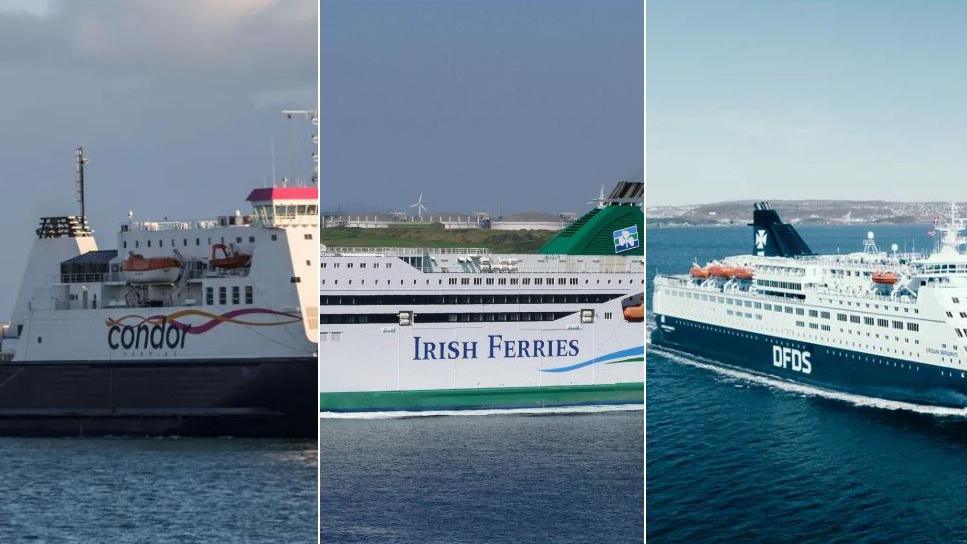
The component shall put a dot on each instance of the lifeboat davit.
(741, 273)
(884, 278)
(228, 260)
(698, 272)
(140, 269)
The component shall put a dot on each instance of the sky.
(481, 105)
(177, 104)
(806, 99)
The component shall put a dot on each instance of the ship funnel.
(772, 237)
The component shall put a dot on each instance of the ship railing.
(171, 225)
(405, 251)
(109, 277)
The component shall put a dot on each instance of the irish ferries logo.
(760, 239)
(625, 239)
(170, 331)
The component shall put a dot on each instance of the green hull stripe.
(482, 398)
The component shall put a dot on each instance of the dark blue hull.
(829, 368)
(211, 397)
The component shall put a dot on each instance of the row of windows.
(324, 264)
(779, 284)
(223, 295)
(812, 313)
(184, 241)
(378, 300)
(444, 317)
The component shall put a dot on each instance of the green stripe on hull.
(482, 398)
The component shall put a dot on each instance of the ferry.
(874, 323)
(204, 327)
(406, 329)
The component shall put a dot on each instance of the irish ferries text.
(497, 347)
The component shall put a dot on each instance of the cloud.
(196, 34)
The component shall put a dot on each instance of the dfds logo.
(791, 358)
(625, 239)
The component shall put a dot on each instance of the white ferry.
(435, 329)
(873, 323)
(195, 327)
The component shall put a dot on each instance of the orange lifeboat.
(741, 273)
(719, 271)
(140, 269)
(698, 272)
(635, 313)
(228, 260)
(633, 308)
(884, 278)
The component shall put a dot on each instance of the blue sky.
(820, 99)
(479, 104)
(176, 123)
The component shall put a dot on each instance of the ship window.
(883, 322)
(949, 314)
(238, 239)
(490, 281)
(525, 281)
(251, 239)
(149, 243)
(478, 281)
(813, 313)
(868, 321)
(197, 241)
(956, 300)
(854, 319)
(898, 325)
(222, 295)
(275, 237)
(184, 242)
(209, 296)
(235, 294)
(800, 311)
(574, 281)
(514, 281)
(125, 244)
(349, 265)
(913, 327)
(824, 315)
(959, 334)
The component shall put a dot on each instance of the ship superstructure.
(424, 329)
(205, 326)
(882, 324)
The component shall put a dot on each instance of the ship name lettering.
(143, 336)
(791, 358)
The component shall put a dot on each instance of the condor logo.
(791, 358)
(145, 335)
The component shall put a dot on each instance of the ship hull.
(811, 364)
(240, 397)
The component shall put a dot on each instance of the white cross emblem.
(760, 239)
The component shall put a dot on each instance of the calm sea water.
(157, 490)
(734, 460)
(483, 478)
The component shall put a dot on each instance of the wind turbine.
(420, 208)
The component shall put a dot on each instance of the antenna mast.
(81, 160)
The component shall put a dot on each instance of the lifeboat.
(633, 308)
(140, 269)
(228, 260)
(884, 278)
(719, 271)
(741, 273)
(698, 272)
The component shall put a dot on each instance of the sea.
(136, 490)
(736, 458)
(555, 475)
